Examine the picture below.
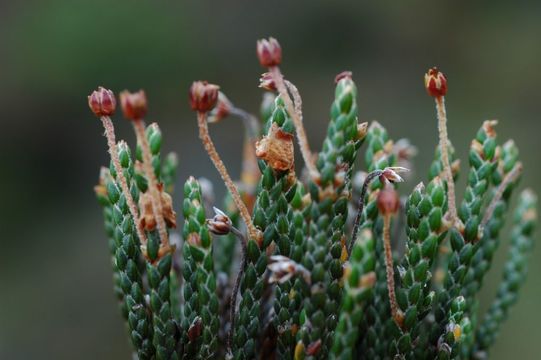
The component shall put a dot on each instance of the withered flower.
(146, 217)
(276, 148)
(283, 269)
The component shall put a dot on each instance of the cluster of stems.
(330, 264)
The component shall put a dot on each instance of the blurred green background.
(56, 299)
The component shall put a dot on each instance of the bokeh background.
(56, 300)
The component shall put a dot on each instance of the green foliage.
(127, 259)
(300, 294)
(200, 299)
(514, 272)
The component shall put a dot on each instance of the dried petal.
(276, 148)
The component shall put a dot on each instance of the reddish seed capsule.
(134, 105)
(266, 81)
(435, 83)
(203, 96)
(102, 102)
(269, 52)
(388, 201)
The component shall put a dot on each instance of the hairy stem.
(389, 268)
(157, 210)
(218, 163)
(296, 116)
(442, 129)
(250, 122)
(111, 142)
(360, 207)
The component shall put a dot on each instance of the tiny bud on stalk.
(267, 82)
(102, 102)
(134, 105)
(343, 75)
(220, 224)
(221, 110)
(203, 96)
(435, 83)
(388, 201)
(269, 52)
(391, 174)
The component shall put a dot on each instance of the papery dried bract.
(276, 148)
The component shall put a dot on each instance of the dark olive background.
(55, 296)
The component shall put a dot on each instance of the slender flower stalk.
(250, 172)
(134, 106)
(389, 174)
(203, 97)
(139, 127)
(102, 102)
(436, 86)
(296, 116)
(388, 204)
(398, 317)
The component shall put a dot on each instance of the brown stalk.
(111, 142)
(218, 163)
(397, 315)
(442, 130)
(157, 210)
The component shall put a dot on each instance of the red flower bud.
(221, 110)
(203, 96)
(343, 75)
(388, 201)
(266, 81)
(435, 83)
(269, 52)
(102, 102)
(134, 105)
